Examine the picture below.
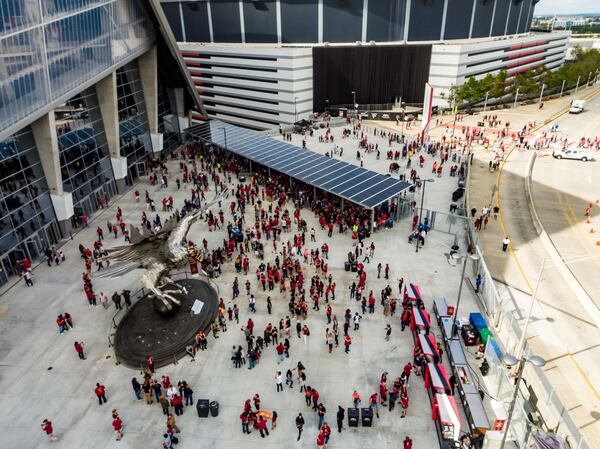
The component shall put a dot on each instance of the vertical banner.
(427, 102)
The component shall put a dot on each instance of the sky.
(567, 7)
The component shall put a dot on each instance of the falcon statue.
(158, 253)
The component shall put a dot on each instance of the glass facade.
(133, 120)
(86, 169)
(168, 124)
(49, 47)
(27, 220)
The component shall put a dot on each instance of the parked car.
(572, 154)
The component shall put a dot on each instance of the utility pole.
(516, 97)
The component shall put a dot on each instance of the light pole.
(424, 181)
(354, 99)
(466, 257)
(588, 81)
(224, 136)
(542, 92)
(577, 85)
(486, 99)
(516, 97)
(510, 361)
(295, 110)
(562, 88)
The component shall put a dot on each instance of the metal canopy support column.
(372, 219)
(342, 205)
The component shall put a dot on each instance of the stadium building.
(83, 102)
(270, 62)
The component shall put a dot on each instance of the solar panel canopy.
(348, 181)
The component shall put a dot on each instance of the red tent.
(436, 378)
(444, 410)
(419, 320)
(427, 345)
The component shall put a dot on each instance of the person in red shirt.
(49, 430)
(315, 398)
(347, 343)
(79, 349)
(404, 404)
(321, 440)
(262, 426)
(383, 391)
(407, 443)
(326, 430)
(100, 391)
(118, 426)
(374, 403)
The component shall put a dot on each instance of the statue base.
(149, 328)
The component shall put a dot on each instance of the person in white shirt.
(505, 243)
(279, 381)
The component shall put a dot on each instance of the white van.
(577, 106)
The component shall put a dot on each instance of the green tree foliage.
(528, 82)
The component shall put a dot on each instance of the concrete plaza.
(41, 376)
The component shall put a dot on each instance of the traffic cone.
(588, 220)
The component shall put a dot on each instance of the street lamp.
(487, 94)
(224, 136)
(516, 98)
(295, 110)
(510, 361)
(457, 257)
(424, 181)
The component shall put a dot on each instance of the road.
(560, 330)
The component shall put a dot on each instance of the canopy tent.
(419, 320)
(413, 292)
(427, 345)
(350, 182)
(444, 410)
(436, 378)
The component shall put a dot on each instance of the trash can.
(354, 267)
(366, 415)
(353, 416)
(214, 408)
(347, 266)
(202, 407)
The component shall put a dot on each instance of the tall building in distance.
(88, 90)
(251, 59)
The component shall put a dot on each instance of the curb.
(582, 296)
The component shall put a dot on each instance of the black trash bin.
(347, 266)
(353, 415)
(202, 407)
(214, 408)
(366, 415)
(354, 267)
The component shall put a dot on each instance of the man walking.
(49, 430)
(505, 243)
(340, 418)
(117, 300)
(279, 381)
(100, 391)
(299, 425)
(388, 332)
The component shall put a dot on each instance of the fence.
(539, 398)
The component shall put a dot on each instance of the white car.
(572, 154)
